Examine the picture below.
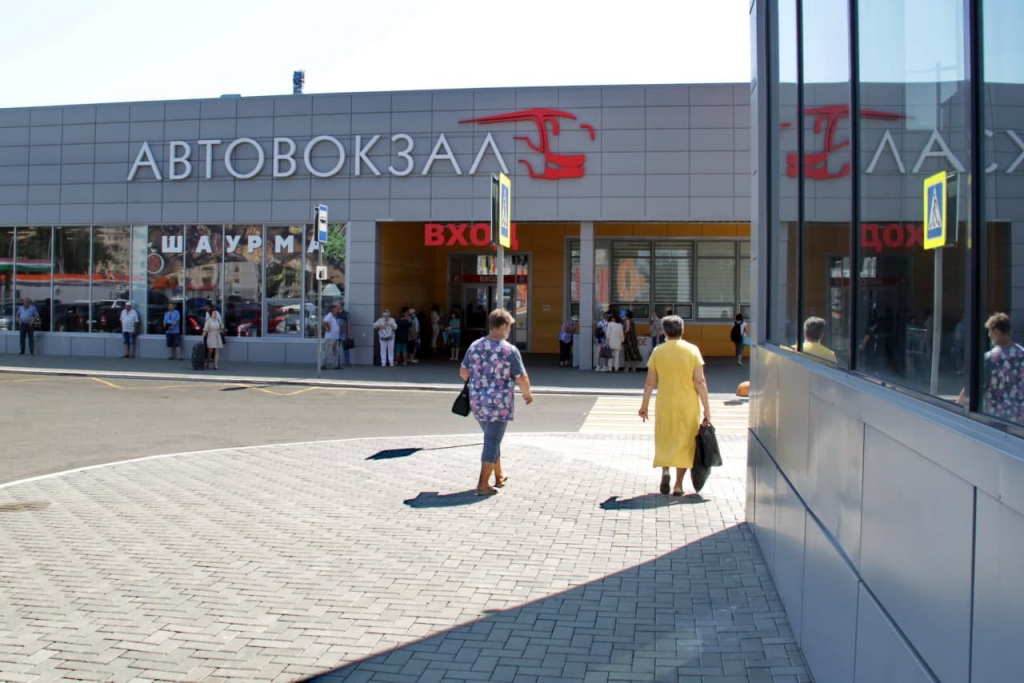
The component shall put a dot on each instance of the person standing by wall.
(435, 328)
(737, 335)
(414, 336)
(616, 336)
(172, 331)
(386, 327)
(213, 336)
(565, 336)
(27, 315)
(493, 367)
(814, 330)
(129, 329)
(332, 339)
(631, 344)
(601, 343)
(655, 329)
(676, 370)
(345, 332)
(454, 331)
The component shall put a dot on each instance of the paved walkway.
(373, 560)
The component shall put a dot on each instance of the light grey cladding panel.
(441, 208)
(137, 132)
(146, 111)
(453, 100)
(741, 209)
(711, 139)
(712, 117)
(414, 122)
(741, 187)
(666, 96)
(999, 592)
(630, 96)
(794, 423)
(741, 138)
(39, 194)
(292, 189)
(290, 211)
(670, 186)
(619, 162)
(411, 101)
(621, 208)
(332, 104)
(175, 212)
(76, 194)
(218, 109)
(113, 113)
(486, 101)
(124, 153)
(181, 191)
(667, 117)
(658, 163)
(257, 189)
(116, 173)
(712, 94)
(765, 481)
(448, 188)
(216, 190)
(711, 162)
(373, 123)
(711, 186)
(369, 188)
(592, 186)
(145, 212)
(15, 135)
(292, 126)
(613, 186)
(338, 125)
(408, 188)
(628, 118)
(110, 193)
(371, 102)
(14, 156)
(263, 127)
(13, 214)
(15, 117)
(579, 97)
(882, 655)
(14, 195)
(45, 135)
(255, 107)
(829, 622)
(529, 98)
(218, 129)
(764, 396)
(622, 141)
(45, 154)
(183, 109)
(666, 208)
(835, 469)
(917, 527)
(410, 209)
(251, 211)
(216, 212)
(17, 175)
(43, 214)
(78, 115)
(666, 140)
(788, 561)
(110, 214)
(78, 133)
(542, 208)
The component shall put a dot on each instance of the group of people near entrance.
(406, 338)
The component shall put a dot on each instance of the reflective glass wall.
(864, 273)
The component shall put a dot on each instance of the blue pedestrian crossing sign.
(935, 211)
(504, 211)
(321, 224)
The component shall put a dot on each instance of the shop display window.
(243, 280)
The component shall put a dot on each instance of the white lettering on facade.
(255, 242)
(144, 158)
(208, 146)
(232, 241)
(280, 156)
(203, 246)
(404, 154)
(260, 158)
(361, 153)
(886, 140)
(172, 244)
(1020, 157)
(282, 243)
(307, 156)
(435, 154)
(944, 152)
(488, 143)
(175, 160)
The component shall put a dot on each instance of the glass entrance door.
(472, 288)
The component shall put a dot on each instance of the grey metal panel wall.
(71, 163)
(888, 484)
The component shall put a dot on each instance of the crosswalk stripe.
(618, 414)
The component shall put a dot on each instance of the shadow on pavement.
(650, 500)
(433, 499)
(667, 619)
(406, 452)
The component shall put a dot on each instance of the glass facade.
(861, 112)
(80, 277)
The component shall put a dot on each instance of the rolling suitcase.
(199, 356)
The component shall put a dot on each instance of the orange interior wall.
(413, 274)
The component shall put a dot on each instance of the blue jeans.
(348, 360)
(494, 432)
(26, 330)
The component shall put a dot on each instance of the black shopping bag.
(707, 447)
(461, 405)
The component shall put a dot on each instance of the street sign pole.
(501, 229)
(320, 212)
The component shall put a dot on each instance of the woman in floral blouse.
(493, 368)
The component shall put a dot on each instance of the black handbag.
(699, 473)
(707, 447)
(348, 343)
(461, 405)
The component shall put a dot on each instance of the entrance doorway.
(472, 287)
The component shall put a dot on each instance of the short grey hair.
(814, 329)
(672, 326)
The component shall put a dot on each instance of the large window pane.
(243, 280)
(7, 305)
(71, 306)
(631, 272)
(673, 273)
(165, 269)
(784, 124)
(285, 261)
(334, 261)
(204, 268)
(33, 270)
(827, 185)
(1001, 365)
(914, 121)
(716, 280)
(111, 273)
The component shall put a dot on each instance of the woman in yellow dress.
(676, 369)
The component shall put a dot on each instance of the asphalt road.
(58, 423)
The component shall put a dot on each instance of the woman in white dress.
(213, 336)
(615, 336)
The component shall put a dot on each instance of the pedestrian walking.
(493, 367)
(332, 339)
(738, 336)
(386, 327)
(631, 345)
(213, 336)
(436, 328)
(172, 331)
(129, 329)
(27, 315)
(676, 370)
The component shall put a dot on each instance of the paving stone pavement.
(373, 560)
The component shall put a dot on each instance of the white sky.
(92, 51)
